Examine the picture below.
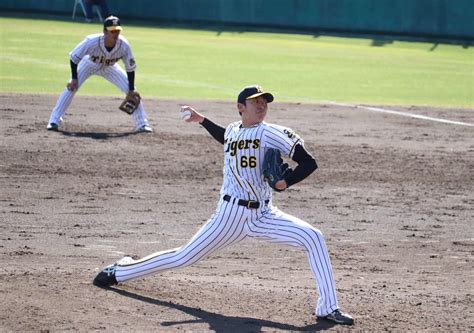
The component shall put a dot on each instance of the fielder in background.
(245, 207)
(98, 54)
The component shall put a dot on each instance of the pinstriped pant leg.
(275, 226)
(139, 116)
(116, 75)
(223, 228)
(84, 70)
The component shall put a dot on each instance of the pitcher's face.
(253, 111)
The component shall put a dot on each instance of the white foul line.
(405, 114)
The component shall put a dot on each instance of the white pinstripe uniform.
(93, 59)
(244, 151)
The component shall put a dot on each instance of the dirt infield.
(393, 196)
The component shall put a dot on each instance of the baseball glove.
(131, 102)
(273, 168)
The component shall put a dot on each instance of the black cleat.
(52, 127)
(106, 277)
(339, 317)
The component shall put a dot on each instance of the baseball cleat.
(106, 277)
(52, 127)
(339, 317)
(145, 129)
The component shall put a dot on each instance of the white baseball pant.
(230, 224)
(114, 74)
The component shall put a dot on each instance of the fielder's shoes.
(339, 317)
(145, 129)
(106, 277)
(52, 127)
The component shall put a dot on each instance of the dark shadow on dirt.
(97, 135)
(221, 323)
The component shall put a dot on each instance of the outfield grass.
(195, 64)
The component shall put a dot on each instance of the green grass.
(205, 64)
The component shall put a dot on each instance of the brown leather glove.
(131, 102)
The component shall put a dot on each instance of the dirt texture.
(393, 196)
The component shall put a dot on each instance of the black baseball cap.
(253, 92)
(112, 23)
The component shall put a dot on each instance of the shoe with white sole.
(339, 317)
(106, 277)
(52, 127)
(145, 129)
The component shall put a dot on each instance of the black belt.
(245, 203)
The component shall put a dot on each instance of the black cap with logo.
(253, 92)
(112, 23)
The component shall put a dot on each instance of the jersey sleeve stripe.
(290, 155)
(75, 59)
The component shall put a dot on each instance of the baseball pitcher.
(253, 168)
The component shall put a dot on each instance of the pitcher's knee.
(318, 234)
(317, 237)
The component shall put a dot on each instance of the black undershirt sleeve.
(131, 80)
(306, 166)
(73, 69)
(215, 130)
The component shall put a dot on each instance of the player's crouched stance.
(98, 55)
(245, 207)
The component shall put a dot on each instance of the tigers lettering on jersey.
(103, 60)
(232, 146)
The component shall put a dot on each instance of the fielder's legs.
(84, 70)
(116, 75)
(275, 226)
(225, 227)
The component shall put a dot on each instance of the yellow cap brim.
(114, 28)
(268, 96)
